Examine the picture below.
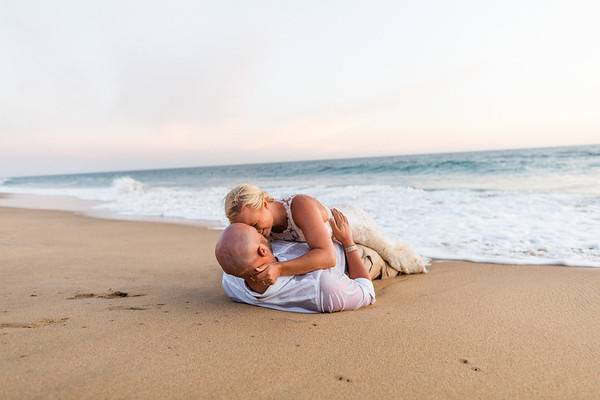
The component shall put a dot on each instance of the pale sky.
(113, 85)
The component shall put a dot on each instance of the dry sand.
(463, 331)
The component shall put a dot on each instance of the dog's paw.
(409, 261)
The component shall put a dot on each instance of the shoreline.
(184, 222)
(465, 330)
(85, 208)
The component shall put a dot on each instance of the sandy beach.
(99, 308)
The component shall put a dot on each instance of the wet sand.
(98, 308)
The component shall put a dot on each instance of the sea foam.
(127, 184)
(545, 212)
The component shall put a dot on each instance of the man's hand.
(341, 228)
(267, 274)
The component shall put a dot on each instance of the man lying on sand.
(242, 250)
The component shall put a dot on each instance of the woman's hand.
(341, 228)
(267, 274)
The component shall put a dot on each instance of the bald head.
(239, 248)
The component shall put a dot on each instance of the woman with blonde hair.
(302, 218)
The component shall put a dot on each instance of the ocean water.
(511, 206)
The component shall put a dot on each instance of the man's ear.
(262, 250)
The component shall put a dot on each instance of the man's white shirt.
(324, 290)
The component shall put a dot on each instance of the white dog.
(366, 232)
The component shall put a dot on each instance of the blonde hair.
(242, 195)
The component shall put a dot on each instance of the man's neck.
(256, 286)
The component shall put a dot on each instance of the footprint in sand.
(342, 378)
(465, 361)
(134, 308)
(108, 295)
(29, 325)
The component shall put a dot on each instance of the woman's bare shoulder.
(304, 204)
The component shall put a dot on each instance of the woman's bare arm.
(309, 216)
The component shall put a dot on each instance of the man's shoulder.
(236, 289)
(230, 282)
(282, 246)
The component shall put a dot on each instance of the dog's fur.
(366, 232)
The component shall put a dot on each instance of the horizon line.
(297, 161)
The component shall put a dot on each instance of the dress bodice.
(292, 232)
